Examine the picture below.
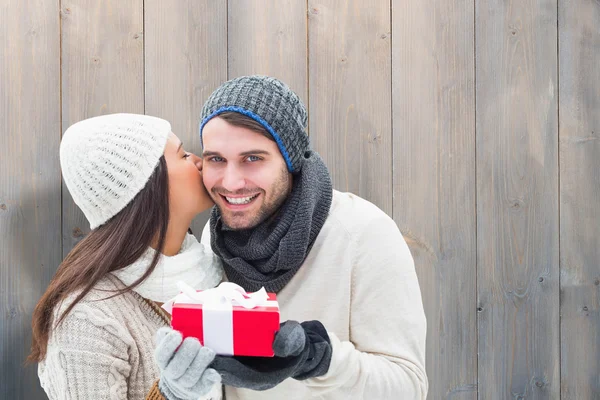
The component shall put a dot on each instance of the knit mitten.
(302, 351)
(184, 372)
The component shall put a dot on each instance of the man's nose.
(233, 179)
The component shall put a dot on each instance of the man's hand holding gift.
(302, 351)
(253, 350)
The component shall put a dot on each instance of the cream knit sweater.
(104, 349)
(359, 280)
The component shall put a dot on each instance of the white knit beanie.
(107, 160)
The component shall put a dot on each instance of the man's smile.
(239, 202)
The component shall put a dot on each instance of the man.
(333, 258)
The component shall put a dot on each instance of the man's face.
(244, 173)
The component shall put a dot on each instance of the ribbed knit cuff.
(154, 393)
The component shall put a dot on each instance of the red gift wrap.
(229, 329)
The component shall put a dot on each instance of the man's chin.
(241, 220)
(237, 225)
(235, 222)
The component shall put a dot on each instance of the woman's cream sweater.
(104, 349)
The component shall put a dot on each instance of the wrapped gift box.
(227, 319)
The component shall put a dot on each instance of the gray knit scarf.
(271, 253)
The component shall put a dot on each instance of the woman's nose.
(197, 161)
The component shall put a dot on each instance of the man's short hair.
(242, 121)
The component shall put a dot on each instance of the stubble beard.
(240, 220)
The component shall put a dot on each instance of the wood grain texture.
(102, 73)
(186, 59)
(30, 208)
(433, 98)
(269, 40)
(579, 77)
(349, 64)
(450, 126)
(517, 199)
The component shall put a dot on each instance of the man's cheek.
(207, 181)
(212, 194)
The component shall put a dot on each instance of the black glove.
(302, 351)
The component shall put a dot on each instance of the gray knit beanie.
(269, 102)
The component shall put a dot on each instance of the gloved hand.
(302, 351)
(184, 372)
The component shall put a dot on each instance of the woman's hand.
(184, 372)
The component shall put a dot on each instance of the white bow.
(225, 295)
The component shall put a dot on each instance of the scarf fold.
(270, 254)
(194, 264)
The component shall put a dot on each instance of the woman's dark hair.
(110, 247)
(237, 119)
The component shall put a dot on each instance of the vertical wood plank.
(434, 178)
(517, 199)
(30, 208)
(269, 40)
(103, 73)
(350, 95)
(579, 77)
(186, 59)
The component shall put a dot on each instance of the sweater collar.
(195, 264)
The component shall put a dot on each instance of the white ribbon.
(217, 310)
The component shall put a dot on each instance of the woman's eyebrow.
(179, 147)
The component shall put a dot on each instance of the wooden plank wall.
(30, 194)
(474, 125)
(179, 78)
(434, 162)
(579, 109)
(269, 40)
(350, 94)
(517, 199)
(102, 73)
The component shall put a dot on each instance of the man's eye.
(216, 159)
(253, 158)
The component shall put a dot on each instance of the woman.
(94, 329)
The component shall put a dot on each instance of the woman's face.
(187, 195)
